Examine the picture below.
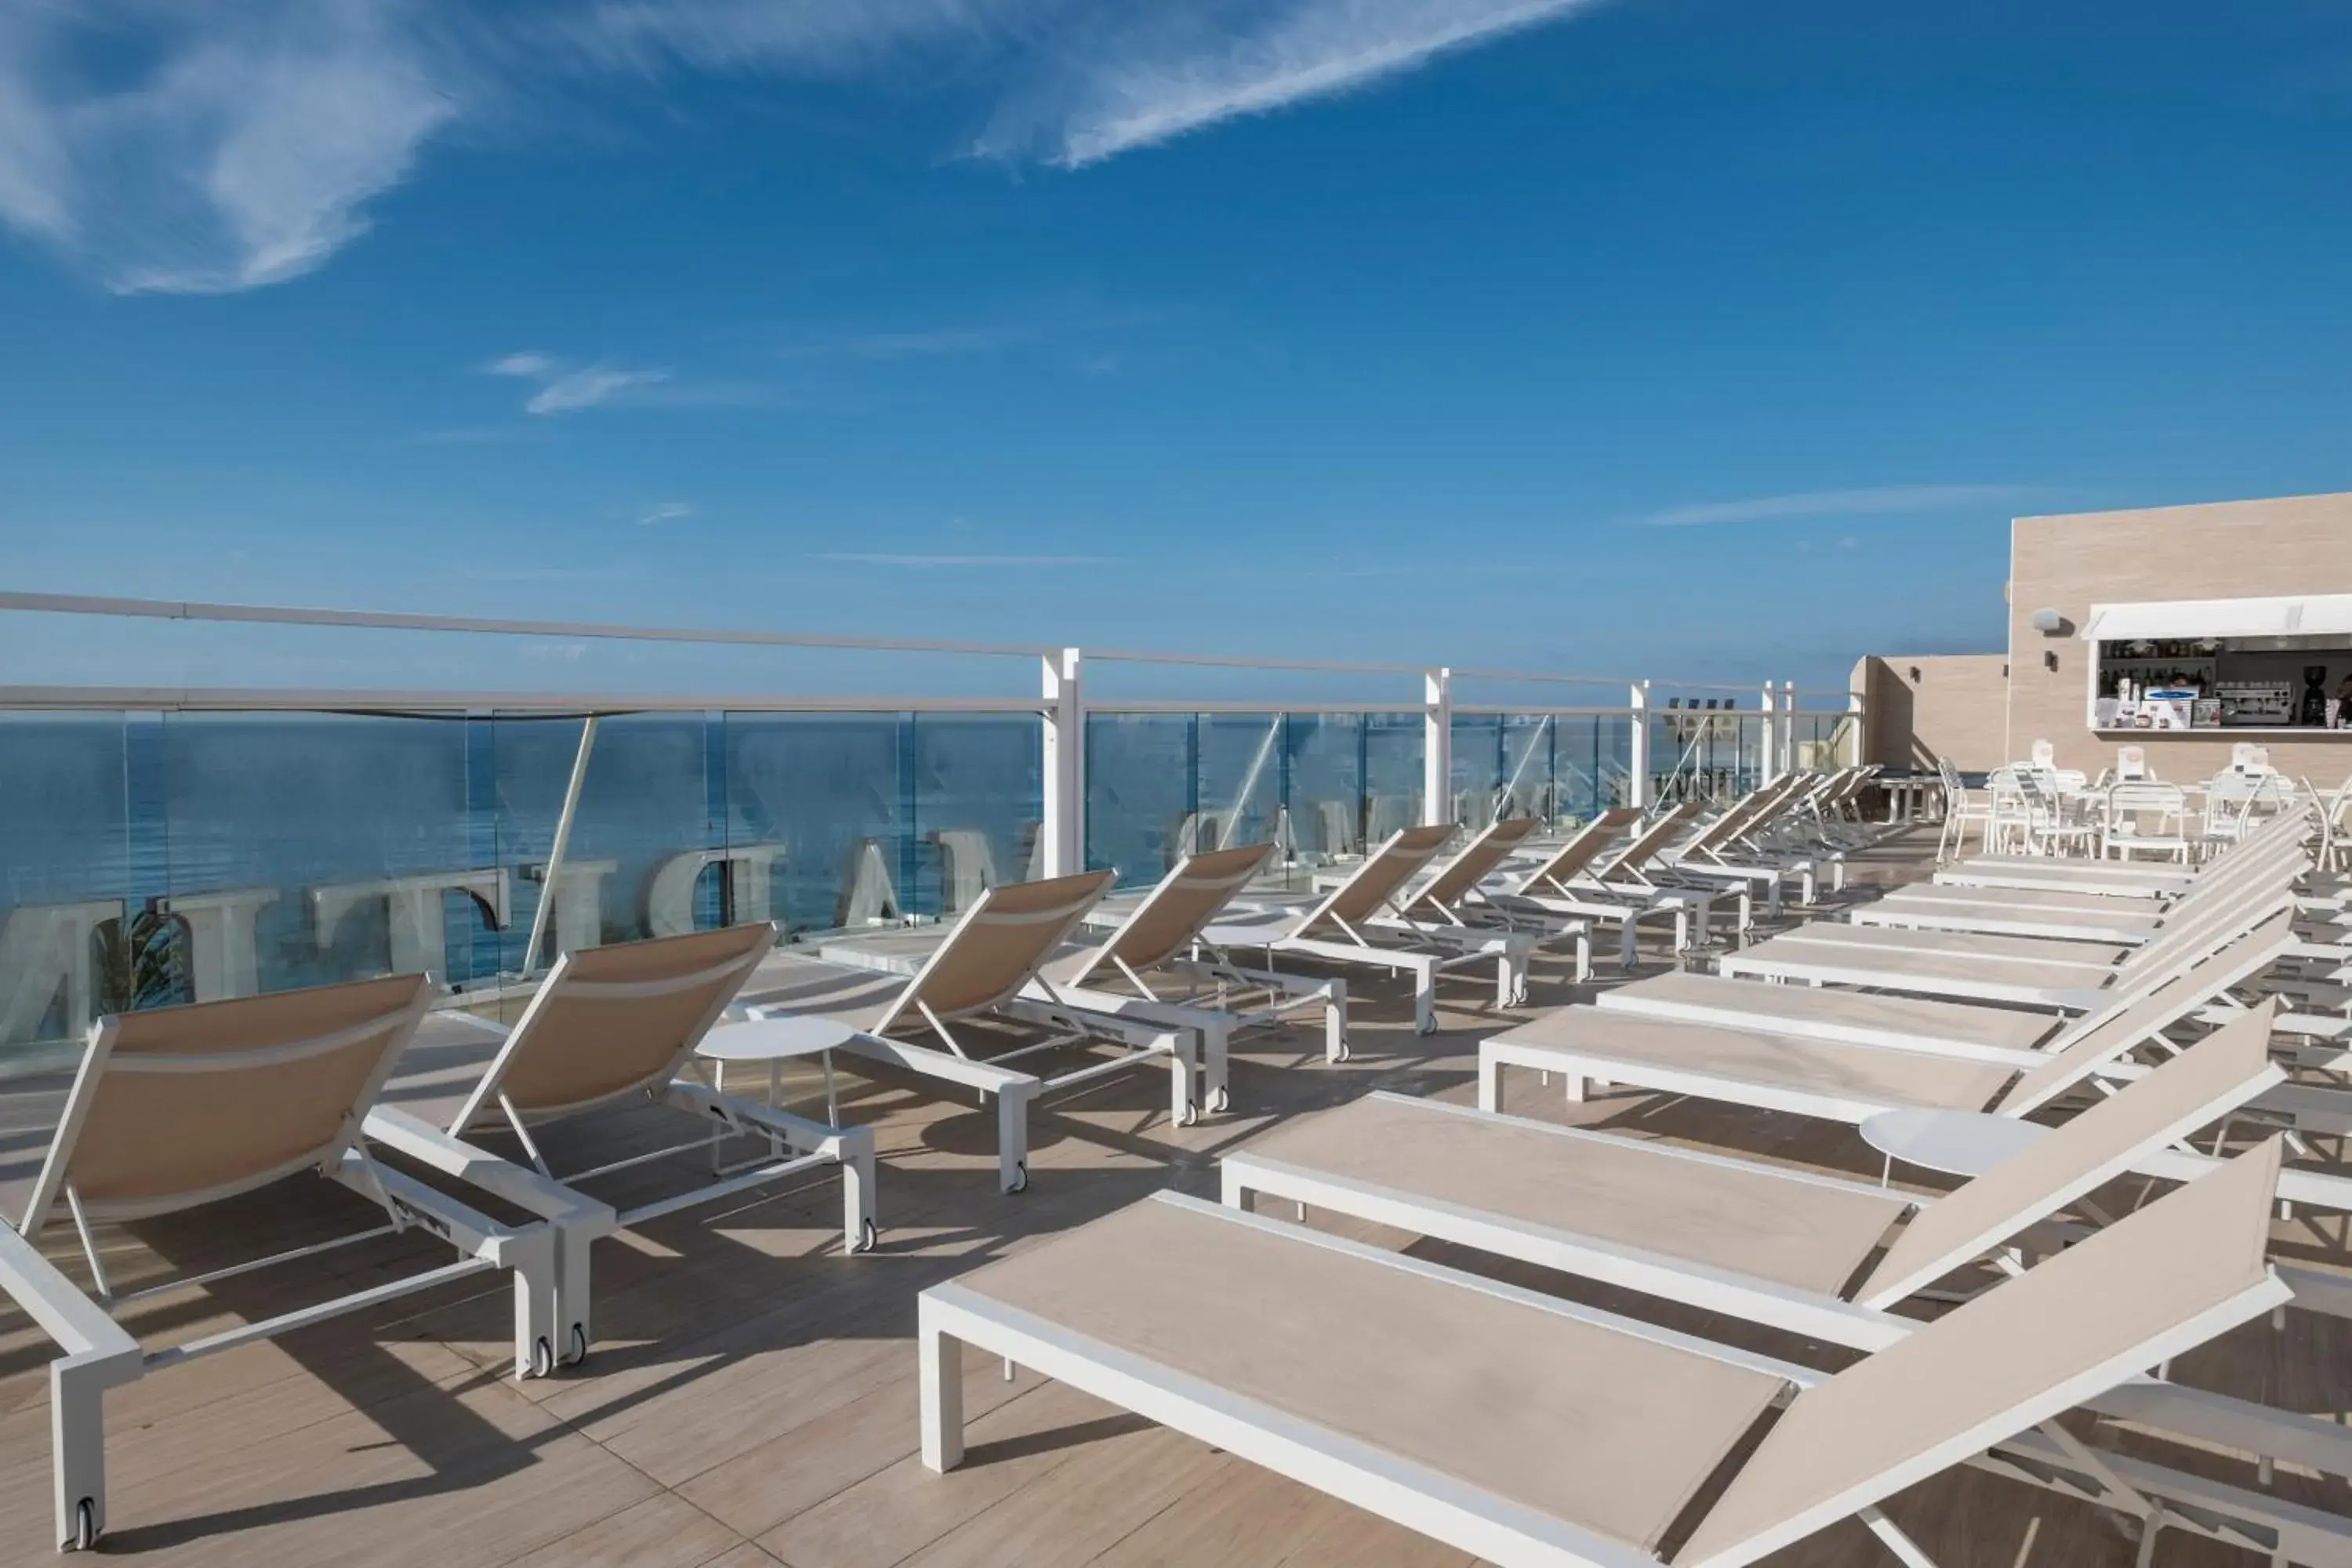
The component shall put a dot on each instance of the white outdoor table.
(776, 1039)
(1956, 1143)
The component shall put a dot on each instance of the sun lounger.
(1375, 1377)
(2090, 916)
(1639, 873)
(609, 1028)
(1837, 1081)
(1559, 885)
(179, 1107)
(1725, 850)
(1120, 972)
(976, 979)
(1969, 908)
(1364, 923)
(1987, 968)
(1450, 895)
(1852, 1018)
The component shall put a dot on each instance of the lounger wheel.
(1191, 1115)
(1428, 1027)
(577, 1352)
(1020, 1177)
(869, 1236)
(1343, 1053)
(542, 1357)
(85, 1538)
(1220, 1101)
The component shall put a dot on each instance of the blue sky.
(1683, 336)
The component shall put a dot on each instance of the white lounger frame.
(100, 1354)
(811, 1144)
(951, 1317)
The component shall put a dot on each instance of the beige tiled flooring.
(751, 1397)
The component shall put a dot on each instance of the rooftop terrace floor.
(752, 1398)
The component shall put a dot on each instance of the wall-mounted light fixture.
(2050, 660)
(2051, 624)
(1915, 675)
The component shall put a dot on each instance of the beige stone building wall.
(2297, 544)
(1920, 710)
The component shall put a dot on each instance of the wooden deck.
(752, 1396)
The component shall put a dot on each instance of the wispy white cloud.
(239, 147)
(664, 511)
(1176, 70)
(567, 389)
(531, 363)
(929, 562)
(599, 384)
(205, 148)
(1877, 500)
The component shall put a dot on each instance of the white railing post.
(1064, 826)
(1637, 751)
(1849, 744)
(1438, 748)
(1789, 729)
(1768, 753)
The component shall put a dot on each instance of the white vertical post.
(1850, 747)
(1637, 754)
(1768, 753)
(1438, 748)
(1064, 826)
(1789, 728)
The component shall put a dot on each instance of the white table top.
(773, 1039)
(1957, 1142)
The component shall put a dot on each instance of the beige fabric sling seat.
(1926, 910)
(1537, 1432)
(2043, 873)
(1364, 923)
(615, 1029)
(2066, 984)
(177, 1108)
(1814, 1255)
(1930, 908)
(1841, 1081)
(979, 978)
(1139, 969)
(1852, 1018)
(1561, 884)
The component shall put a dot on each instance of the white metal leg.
(940, 1358)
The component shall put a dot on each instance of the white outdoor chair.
(2126, 830)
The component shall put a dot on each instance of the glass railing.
(161, 845)
(156, 857)
(1320, 784)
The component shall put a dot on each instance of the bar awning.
(2314, 614)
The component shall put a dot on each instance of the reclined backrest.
(1379, 878)
(997, 945)
(1476, 861)
(610, 1022)
(178, 1106)
(1174, 912)
(1647, 844)
(1581, 851)
(2195, 1089)
(2171, 1277)
(2098, 1039)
